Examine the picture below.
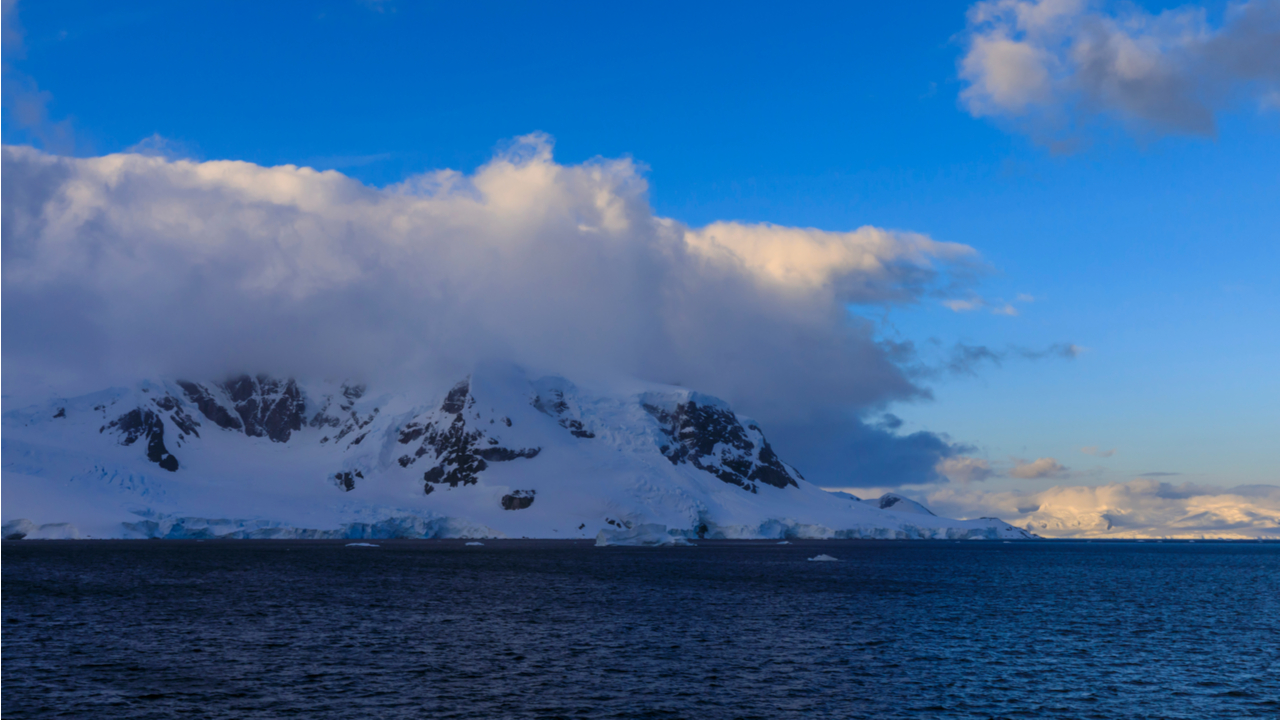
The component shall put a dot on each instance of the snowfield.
(498, 454)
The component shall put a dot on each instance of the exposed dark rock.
(770, 470)
(500, 454)
(62, 412)
(210, 407)
(321, 419)
(555, 406)
(411, 432)
(458, 463)
(518, 500)
(184, 422)
(346, 417)
(460, 453)
(456, 400)
(140, 423)
(575, 429)
(352, 393)
(712, 439)
(267, 407)
(347, 480)
(888, 500)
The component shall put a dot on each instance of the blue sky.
(1153, 249)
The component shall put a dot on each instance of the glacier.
(499, 453)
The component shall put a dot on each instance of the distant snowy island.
(498, 454)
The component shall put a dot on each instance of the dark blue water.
(528, 629)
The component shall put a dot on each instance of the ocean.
(561, 629)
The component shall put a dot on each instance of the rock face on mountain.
(456, 448)
(554, 405)
(259, 406)
(898, 503)
(141, 423)
(712, 439)
(493, 454)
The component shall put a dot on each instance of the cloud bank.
(1141, 508)
(1054, 67)
(1045, 467)
(134, 264)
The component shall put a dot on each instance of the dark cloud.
(966, 359)
(836, 451)
(889, 421)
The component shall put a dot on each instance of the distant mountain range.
(496, 454)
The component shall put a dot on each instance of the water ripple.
(529, 629)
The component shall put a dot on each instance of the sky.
(968, 251)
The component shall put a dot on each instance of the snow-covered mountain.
(496, 454)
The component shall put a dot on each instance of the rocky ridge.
(494, 453)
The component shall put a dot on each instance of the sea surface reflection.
(545, 629)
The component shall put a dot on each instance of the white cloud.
(26, 106)
(1141, 508)
(958, 305)
(995, 307)
(1055, 65)
(965, 469)
(868, 265)
(125, 264)
(1093, 450)
(157, 145)
(1045, 467)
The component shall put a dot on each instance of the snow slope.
(497, 454)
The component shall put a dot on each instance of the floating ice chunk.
(784, 542)
(476, 543)
(824, 558)
(647, 535)
(361, 545)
